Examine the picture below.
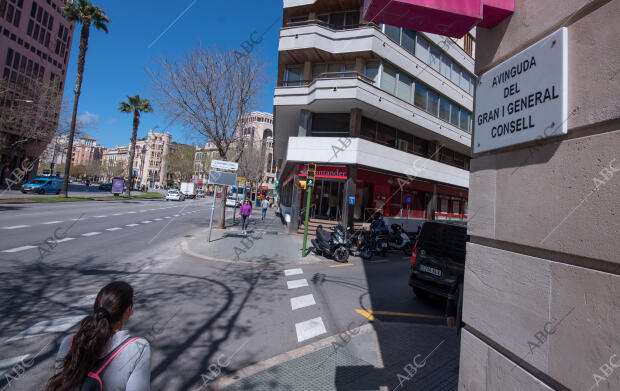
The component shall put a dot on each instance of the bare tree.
(210, 92)
(252, 160)
(181, 162)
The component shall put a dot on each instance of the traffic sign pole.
(308, 193)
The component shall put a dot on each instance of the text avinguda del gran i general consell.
(515, 105)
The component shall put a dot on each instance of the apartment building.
(35, 43)
(85, 151)
(385, 113)
(149, 162)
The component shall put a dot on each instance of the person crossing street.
(264, 205)
(245, 212)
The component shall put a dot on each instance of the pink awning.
(453, 18)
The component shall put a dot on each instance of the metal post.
(308, 193)
(236, 197)
(212, 211)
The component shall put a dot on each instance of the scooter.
(399, 240)
(334, 244)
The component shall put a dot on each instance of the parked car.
(43, 185)
(105, 186)
(232, 202)
(175, 195)
(438, 259)
(200, 193)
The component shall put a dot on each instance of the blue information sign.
(408, 198)
(351, 200)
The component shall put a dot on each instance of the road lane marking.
(146, 222)
(48, 326)
(371, 314)
(131, 212)
(51, 222)
(116, 214)
(344, 264)
(16, 227)
(18, 249)
(309, 329)
(101, 216)
(167, 217)
(64, 240)
(91, 234)
(132, 225)
(292, 272)
(177, 215)
(158, 219)
(113, 229)
(302, 301)
(6, 365)
(297, 283)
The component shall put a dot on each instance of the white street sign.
(224, 165)
(525, 97)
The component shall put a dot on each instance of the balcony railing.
(331, 26)
(328, 76)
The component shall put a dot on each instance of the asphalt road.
(192, 311)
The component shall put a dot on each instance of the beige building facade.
(542, 283)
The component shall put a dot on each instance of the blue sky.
(116, 62)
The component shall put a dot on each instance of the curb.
(290, 355)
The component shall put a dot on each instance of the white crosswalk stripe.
(146, 221)
(132, 225)
(51, 222)
(113, 229)
(309, 329)
(292, 272)
(297, 283)
(64, 240)
(302, 301)
(91, 234)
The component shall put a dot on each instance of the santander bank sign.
(452, 18)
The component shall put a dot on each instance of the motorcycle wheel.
(366, 253)
(407, 249)
(341, 254)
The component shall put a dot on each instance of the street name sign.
(525, 97)
(222, 178)
(224, 165)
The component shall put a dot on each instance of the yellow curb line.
(370, 314)
(344, 264)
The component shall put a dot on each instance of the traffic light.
(309, 182)
(311, 171)
(301, 184)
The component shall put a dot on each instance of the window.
(388, 79)
(352, 18)
(392, 32)
(337, 19)
(368, 128)
(446, 66)
(372, 70)
(404, 87)
(420, 147)
(435, 58)
(422, 49)
(317, 69)
(294, 75)
(408, 40)
(444, 109)
(299, 19)
(433, 103)
(405, 142)
(386, 135)
(465, 120)
(454, 115)
(330, 125)
(456, 75)
(421, 96)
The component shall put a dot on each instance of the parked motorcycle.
(333, 244)
(398, 240)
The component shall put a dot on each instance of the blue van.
(43, 185)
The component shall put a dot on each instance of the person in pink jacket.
(245, 212)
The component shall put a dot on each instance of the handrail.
(331, 26)
(329, 75)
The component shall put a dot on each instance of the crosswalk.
(309, 328)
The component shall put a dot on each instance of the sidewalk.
(375, 358)
(266, 241)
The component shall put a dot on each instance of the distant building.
(149, 162)
(85, 151)
(202, 162)
(35, 43)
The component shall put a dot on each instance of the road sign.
(240, 179)
(524, 98)
(351, 200)
(222, 178)
(224, 165)
(408, 198)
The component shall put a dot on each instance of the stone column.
(355, 122)
(307, 70)
(349, 191)
(305, 122)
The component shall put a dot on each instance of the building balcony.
(303, 40)
(341, 92)
(369, 154)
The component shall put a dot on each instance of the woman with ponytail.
(101, 339)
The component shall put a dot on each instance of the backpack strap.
(108, 359)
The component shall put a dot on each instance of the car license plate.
(430, 270)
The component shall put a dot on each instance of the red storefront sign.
(331, 172)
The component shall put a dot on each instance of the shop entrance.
(326, 199)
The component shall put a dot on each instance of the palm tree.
(136, 105)
(87, 14)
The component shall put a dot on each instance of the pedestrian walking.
(264, 205)
(101, 355)
(244, 213)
